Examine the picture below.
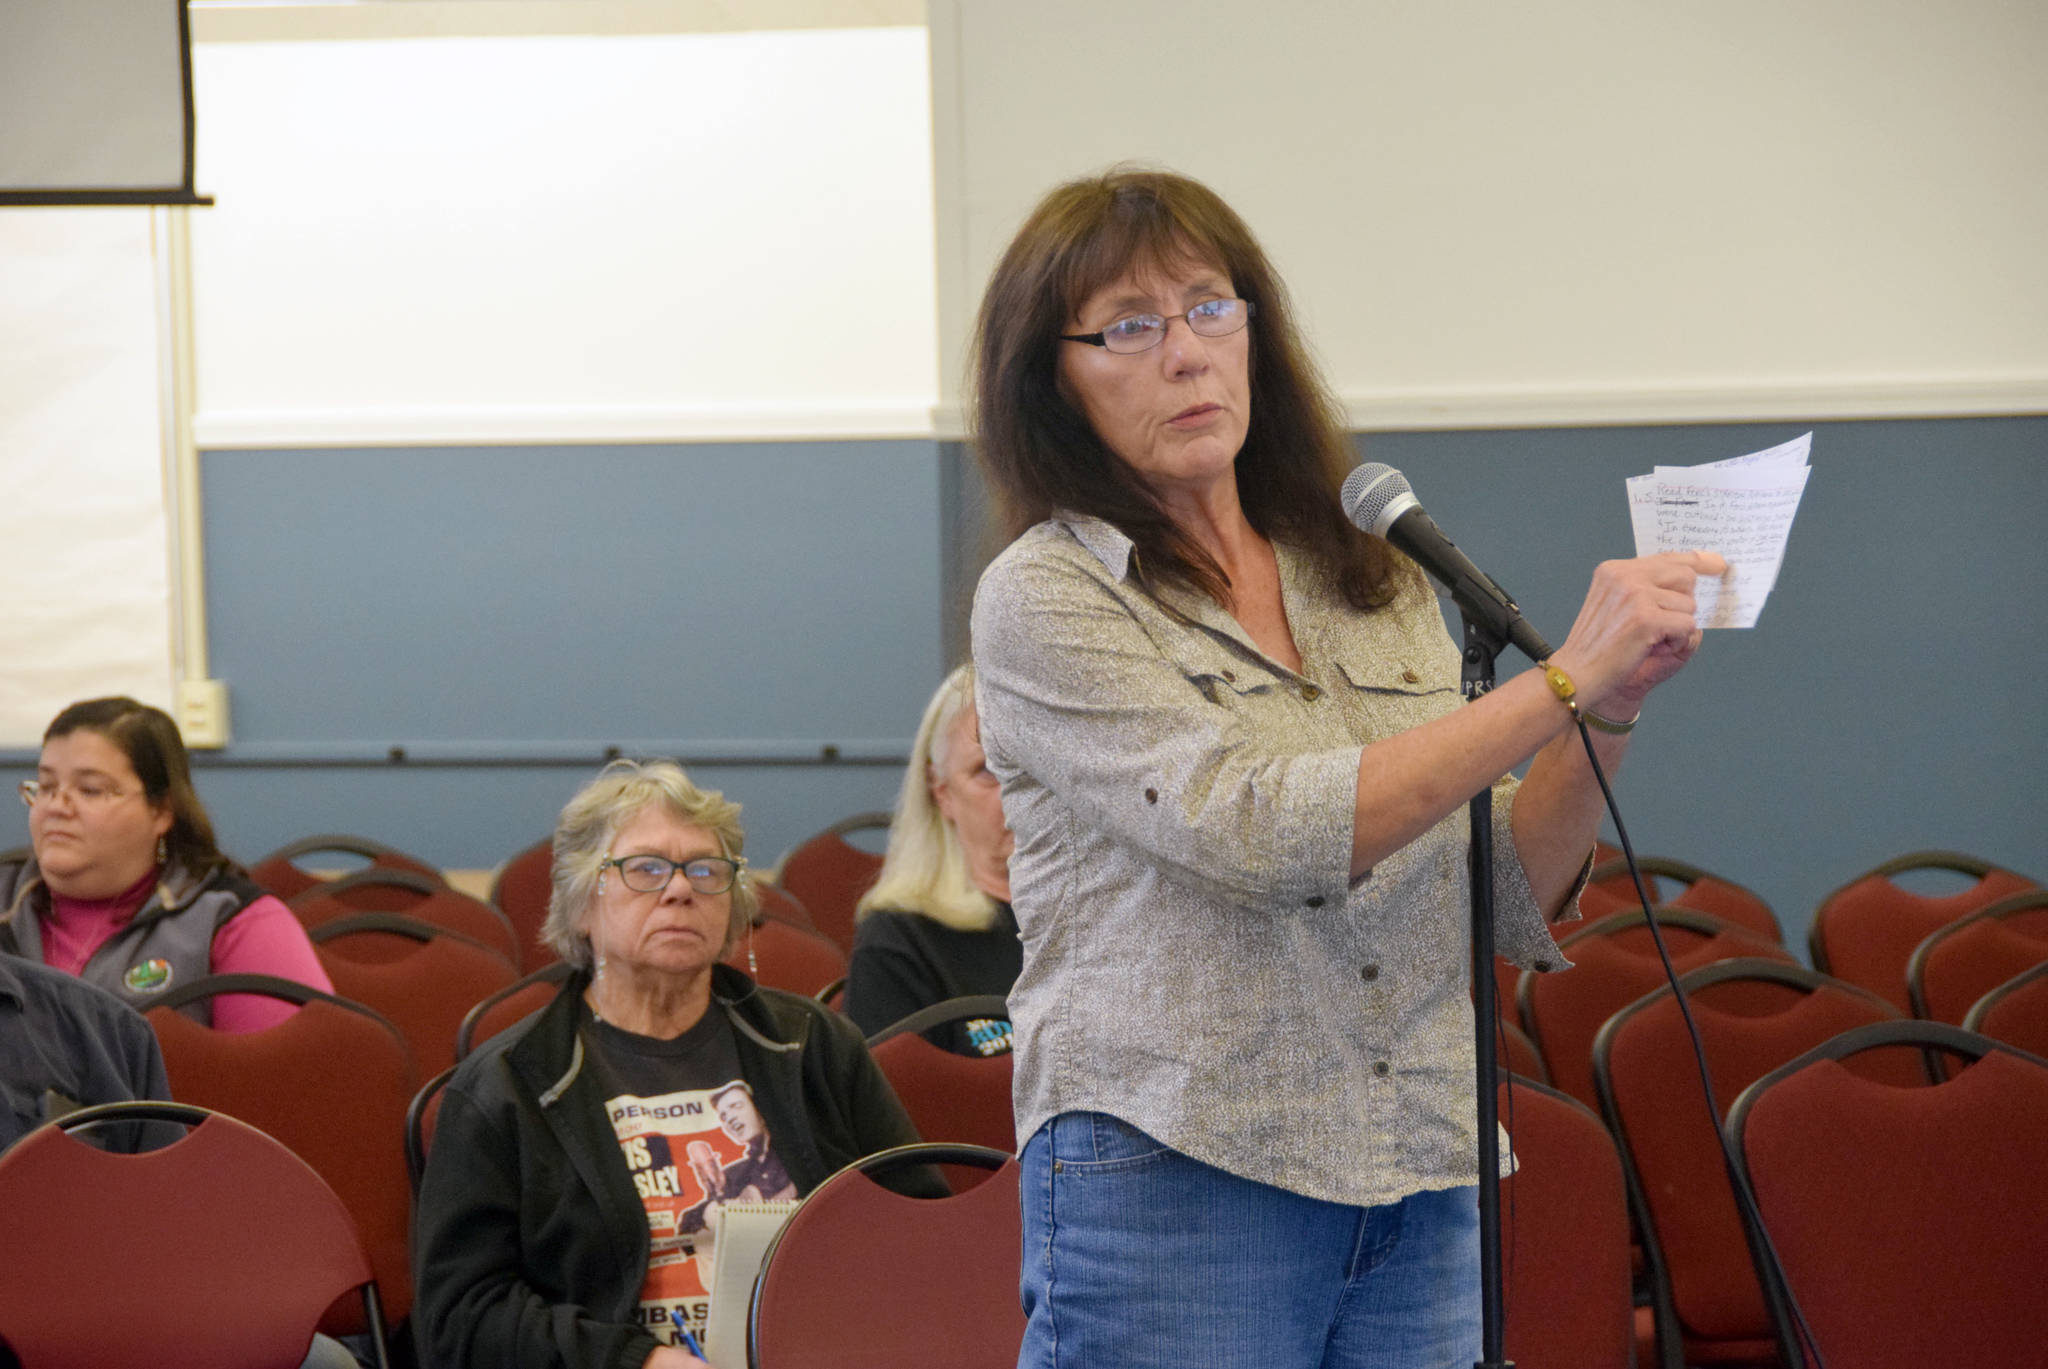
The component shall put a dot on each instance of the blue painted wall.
(505, 615)
(1890, 697)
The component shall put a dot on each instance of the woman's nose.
(1186, 351)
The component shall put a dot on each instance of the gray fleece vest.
(169, 941)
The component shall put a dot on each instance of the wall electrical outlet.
(203, 713)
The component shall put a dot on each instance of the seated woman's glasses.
(651, 874)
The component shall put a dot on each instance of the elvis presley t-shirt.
(693, 1141)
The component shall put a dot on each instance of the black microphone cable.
(1745, 1198)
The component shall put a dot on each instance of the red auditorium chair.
(1958, 964)
(509, 1006)
(227, 1247)
(1866, 930)
(1912, 1224)
(410, 895)
(1615, 963)
(785, 956)
(282, 874)
(861, 1277)
(1752, 1015)
(425, 979)
(521, 891)
(1564, 1236)
(331, 1082)
(828, 874)
(949, 1097)
(2016, 1012)
(1609, 890)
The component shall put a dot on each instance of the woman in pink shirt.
(126, 887)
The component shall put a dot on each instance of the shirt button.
(1311, 692)
(1411, 677)
(1315, 900)
(1381, 1068)
(1151, 796)
(1369, 973)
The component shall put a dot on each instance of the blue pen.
(675, 1314)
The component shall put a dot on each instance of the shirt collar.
(1104, 541)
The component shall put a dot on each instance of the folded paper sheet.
(1741, 507)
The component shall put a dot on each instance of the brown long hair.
(150, 741)
(1041, 454)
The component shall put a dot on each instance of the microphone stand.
(1482, 646)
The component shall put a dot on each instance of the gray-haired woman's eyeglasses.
(651, 874)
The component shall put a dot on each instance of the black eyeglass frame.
(734, 865)
(1101, 339)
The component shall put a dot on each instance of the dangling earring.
(753, 966)
(161, 850)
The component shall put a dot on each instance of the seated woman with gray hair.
(579, 1161)
(937, 924)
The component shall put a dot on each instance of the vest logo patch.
(148, 977)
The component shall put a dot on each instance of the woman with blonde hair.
(937, 924)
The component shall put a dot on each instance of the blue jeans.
(1136, 1255)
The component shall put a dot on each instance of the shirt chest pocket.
(1416, 670)
(1222, 675)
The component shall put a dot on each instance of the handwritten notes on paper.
(1741, 507)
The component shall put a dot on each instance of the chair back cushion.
(331, 1084)
(1614, 964)
(950, 1097)
(1653, 1093)
(865, 1278)
(219, 1251)
(1564, 1236)
(1865, 931)
(1959, 963)
(1913, 1223)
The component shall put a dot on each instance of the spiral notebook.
(745, 1231)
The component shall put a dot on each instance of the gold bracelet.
(1609, 725)
(1562, 686)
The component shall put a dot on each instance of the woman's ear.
(942, 794)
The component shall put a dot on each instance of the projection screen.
(96, 98)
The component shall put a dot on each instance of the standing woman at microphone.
(1233, 751)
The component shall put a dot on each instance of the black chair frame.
(939, 1014)
(1984, 1005)
(555, 972)
(1916, 967)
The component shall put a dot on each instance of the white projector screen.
(96, 101)
(87, 610)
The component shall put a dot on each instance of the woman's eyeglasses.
(85, 793)
(651, 874)
(1143, 332)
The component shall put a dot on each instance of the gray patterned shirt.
(1197, 959)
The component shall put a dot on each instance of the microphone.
(1379, 500)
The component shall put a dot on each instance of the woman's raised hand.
(1635, 629)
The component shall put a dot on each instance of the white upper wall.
(1605, 211)
(545, 237)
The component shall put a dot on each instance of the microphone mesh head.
(1371, 491)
